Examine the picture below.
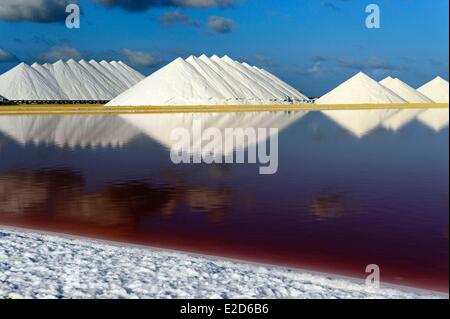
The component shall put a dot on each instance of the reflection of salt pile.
(362, 122)
(69, 80)
(360, 89)
(436, 119)
(359, 122)
(209, 81)
(436, 90)
(404, 91)
(161, 126)
(401, 119)
(83, 131)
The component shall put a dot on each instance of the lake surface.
(352, 188)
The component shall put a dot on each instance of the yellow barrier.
(65, 109)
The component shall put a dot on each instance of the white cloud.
(139, 58)
(6, 56)
(45, 11)
(62, 52)
(140, 5)
(221, 24)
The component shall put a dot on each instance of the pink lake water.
(351, 189)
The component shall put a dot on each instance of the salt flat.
(34, 265)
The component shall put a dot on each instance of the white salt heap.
(403, 90)
(209, 81)
(436, 90)
(360, 89)
(24, 82)
(69, 80)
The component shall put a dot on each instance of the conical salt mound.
(208, 81)
(25, 83)
(69, 80)
(403, 90)
(360, 89)
(436, 90)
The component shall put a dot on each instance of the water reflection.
(328, 204)
(54, 195)
(118, 130)
(339, 201)
(160, 126)
(71, 131)
(362, 122)
(436, 119)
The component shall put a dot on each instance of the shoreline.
(144, 249)
(78, 109)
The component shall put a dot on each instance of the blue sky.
(312, 44)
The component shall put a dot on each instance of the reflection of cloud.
(327, 204)
(58, 197)
(21, 191)
(213, 202)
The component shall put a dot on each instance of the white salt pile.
(209, 81)
(403, 90)
(69, 80)
(24, 82)
(436, 90)
(360, 89)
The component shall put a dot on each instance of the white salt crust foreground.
(209, 81)
(49, 266)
